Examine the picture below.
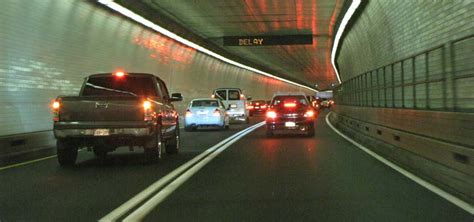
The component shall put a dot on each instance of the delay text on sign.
(249, 42)
(268, 40)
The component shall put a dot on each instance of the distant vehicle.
(290, 113)
(235, 101)
(206, 113)
(327, 103)
(257, 106)
(314, 102)
(113, 110)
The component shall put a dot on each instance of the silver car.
(206, 113)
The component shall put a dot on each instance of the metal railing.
(439, 78)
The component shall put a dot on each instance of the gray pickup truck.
(113, 110)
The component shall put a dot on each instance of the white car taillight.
(216, 113)
(188, 113)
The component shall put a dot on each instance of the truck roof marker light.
(119, 74)
(354, 5)
(128, 13)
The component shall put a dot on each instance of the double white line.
(158, 191)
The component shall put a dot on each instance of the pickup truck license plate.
(101, 132)
(290, 124)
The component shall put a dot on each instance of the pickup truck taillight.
(148, 111)
(56, 105)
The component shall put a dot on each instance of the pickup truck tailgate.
(101, 109)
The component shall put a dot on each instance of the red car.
(257, 106)
(290, 113)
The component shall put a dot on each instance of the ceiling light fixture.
(354, 5)
(126, 12)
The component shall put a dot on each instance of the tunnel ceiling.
(307, 64)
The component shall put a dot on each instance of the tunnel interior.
(406, 72)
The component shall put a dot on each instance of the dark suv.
(290, 113)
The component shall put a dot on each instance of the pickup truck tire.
(153, 147)
(172, 145)
(67, 153)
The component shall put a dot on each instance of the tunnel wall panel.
(412, 90)
(49, 46)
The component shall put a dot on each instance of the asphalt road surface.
(286, 178)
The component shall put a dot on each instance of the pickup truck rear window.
(221, 94)
(126, 86)
(234, 95)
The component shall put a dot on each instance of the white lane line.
(140, 197)
(26, 163)
(140, 213)
(30, 162)
(447, 196)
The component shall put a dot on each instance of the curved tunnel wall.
(48, 47)
(411, 95)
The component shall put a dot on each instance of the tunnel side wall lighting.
(126, 12)
(354, 5)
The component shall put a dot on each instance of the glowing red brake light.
(271, 114)
(249, 107)
(309, 113)
(290, 105)
(263, 106)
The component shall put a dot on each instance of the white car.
(235, 101)
(206, 113)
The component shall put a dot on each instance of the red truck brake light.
(290, 105)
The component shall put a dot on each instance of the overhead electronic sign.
(268, 40)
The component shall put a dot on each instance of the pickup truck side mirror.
(175, 97)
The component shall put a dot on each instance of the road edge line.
(438, 191)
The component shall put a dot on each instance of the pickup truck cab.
(235, 101)
(117, 109)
